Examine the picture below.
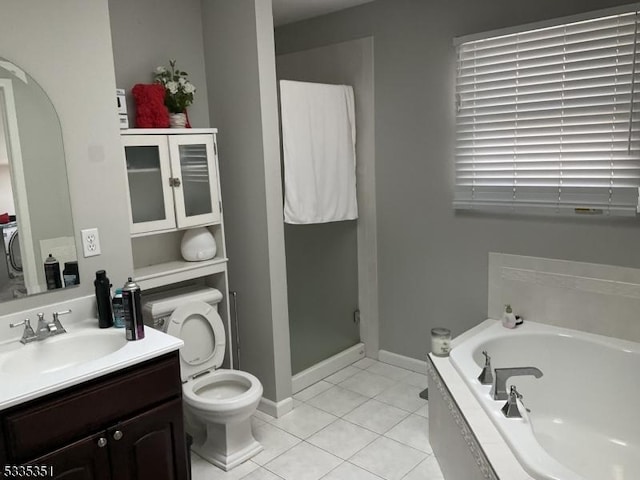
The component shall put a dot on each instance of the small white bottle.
(508, 318)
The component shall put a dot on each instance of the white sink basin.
(62, 351)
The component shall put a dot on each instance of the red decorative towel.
(151, 111)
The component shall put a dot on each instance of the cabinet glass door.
(148, 176)
(193, 163)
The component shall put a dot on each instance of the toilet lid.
(200, 327)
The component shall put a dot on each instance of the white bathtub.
(585, 410)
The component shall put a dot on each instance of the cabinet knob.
(102, 442)
(117, 435)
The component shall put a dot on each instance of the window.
(548, 119)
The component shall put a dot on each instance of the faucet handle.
(26, 322)
(28, 335)
(56, 321)
(57, 314)
(514, 396)
(487, 359)
(486, 376)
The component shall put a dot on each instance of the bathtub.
(584, 420)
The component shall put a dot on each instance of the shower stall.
(331, 267)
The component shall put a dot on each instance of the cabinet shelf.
(143, 170)
(177, 271)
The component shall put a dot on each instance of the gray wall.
(66, 47)
(432, 262)
(240, 61)
(148, 33)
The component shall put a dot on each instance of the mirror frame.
(18, 179)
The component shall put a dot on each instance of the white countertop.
(16, 388)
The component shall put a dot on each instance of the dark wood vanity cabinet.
(125, 426)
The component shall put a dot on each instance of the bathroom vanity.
(117, 416)
(122, 426)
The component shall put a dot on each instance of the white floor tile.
(388, 459)
(274, 441)
(426, 470)
(423, 411)
(312, 391)
(412, 431)
(348, 471)
(402, 395)
(342, 439)
(263, 416)
(389, 371)
(367, 384)
(304, 421)
(376, 416)
(338, 401)
(303, 462)
(261, 474)
(203, 470)
(341, 375)
(364, 363)
(416, 379)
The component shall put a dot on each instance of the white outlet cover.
(90, 242)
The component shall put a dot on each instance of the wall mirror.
(38, 244)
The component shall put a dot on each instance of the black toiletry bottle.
(103, 299)
(52, 273)
(70, 274)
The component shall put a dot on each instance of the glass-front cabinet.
(172, 180)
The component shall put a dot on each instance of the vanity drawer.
(65, 416)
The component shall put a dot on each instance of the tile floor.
(365, 422)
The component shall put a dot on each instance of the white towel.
(319, 140)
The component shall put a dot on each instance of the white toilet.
(218, 403)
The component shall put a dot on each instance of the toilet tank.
(158, 307)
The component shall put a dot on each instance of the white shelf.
(144, 170)
(177, 271)
(167, 131)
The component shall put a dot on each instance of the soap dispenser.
(508, 318)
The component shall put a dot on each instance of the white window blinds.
(548, 120)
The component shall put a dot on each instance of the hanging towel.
(319, 140)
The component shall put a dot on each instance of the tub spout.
(499, 390)
(486, 376)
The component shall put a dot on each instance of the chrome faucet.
(43, 330)
(486, 376)
(56, 321)
(28, 335)
(499, 390)
(510, 409)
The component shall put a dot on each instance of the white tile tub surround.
(472, 418)
(594, 298)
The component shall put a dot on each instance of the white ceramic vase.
(198, 244)
(178, 120)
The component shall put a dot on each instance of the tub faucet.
(486, 376)
(510, 409)
(499, 390)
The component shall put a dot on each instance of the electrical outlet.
(90, 242)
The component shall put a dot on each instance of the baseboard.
(331, 365)
(401, 361)
(276, 409)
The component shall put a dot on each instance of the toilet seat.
(222, 405)
(200, 327)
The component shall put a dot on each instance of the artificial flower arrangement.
(178, 90)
